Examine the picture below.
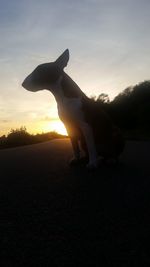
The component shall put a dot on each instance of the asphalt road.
(51, 214)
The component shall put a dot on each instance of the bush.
(20, 137)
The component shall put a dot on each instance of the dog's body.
(87, 125)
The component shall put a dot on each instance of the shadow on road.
(53, 214)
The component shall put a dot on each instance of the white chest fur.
(68, 108)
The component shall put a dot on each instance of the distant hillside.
(20, 137)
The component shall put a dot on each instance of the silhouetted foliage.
(104, 98)
(130, 110)
(20, 137)
(2, 139)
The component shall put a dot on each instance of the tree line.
(130, 109)
(20, 137)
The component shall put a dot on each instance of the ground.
(55, 215)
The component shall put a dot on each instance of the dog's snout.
(27, 83)
(24, 84)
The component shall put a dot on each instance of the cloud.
(4, 121)
(48, 118)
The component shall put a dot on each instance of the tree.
(104, 98)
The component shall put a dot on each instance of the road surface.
(55, 215)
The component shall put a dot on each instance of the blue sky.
(108, 40)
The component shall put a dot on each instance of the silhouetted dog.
(87, 125)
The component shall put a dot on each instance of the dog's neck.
(56, 90)
(65, 87)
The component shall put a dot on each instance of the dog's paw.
(93, 165)
(80, 162)
(74, 162)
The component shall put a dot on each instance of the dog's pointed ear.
(63, 59)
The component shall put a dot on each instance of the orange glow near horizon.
(38, 127)
(47, 126)
(55, 125)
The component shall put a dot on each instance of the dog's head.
(46, 74)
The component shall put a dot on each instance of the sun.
(59, 127)
(55, 125)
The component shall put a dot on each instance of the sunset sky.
(109, 43)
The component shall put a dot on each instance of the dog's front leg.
(75, 146)
(76, 150)
(89, 139)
